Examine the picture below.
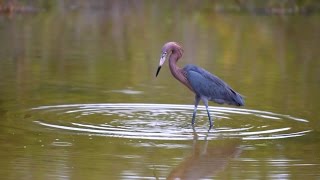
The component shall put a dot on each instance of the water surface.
(79, 98)
(167, 122)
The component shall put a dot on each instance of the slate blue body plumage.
(211, 87)
(206, 86)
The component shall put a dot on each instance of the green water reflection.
(107, 52)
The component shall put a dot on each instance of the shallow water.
(79, 100)
(166, 122)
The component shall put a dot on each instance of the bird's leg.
(210, 121)
(196, 102)
(205, 102)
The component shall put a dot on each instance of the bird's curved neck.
(176, 71)
(173, 59)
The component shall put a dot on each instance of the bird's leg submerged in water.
(210, 121)
(205, 102)
(196, 102)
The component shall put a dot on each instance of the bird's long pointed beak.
(162, 60)
(158, 70)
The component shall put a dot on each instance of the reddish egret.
(202, 83)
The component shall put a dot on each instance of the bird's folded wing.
(213, 88)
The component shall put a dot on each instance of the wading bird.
(205, 85)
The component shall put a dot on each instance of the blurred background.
(62, 52)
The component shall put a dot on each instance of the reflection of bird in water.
(208, 160)
(205, 85)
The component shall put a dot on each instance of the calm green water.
(79, 98)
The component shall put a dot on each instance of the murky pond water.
(166, 122)
(79, 100)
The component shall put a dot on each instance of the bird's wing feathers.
(210, 86)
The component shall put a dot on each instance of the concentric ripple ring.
(166, 121)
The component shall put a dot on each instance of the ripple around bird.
(167, 121)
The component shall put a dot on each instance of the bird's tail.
(237, 98)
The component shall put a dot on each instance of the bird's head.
(168, 48)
